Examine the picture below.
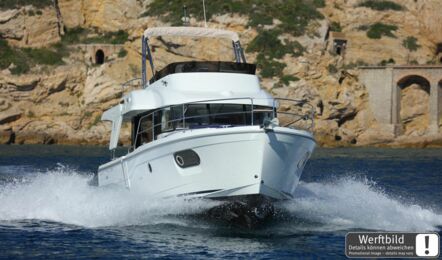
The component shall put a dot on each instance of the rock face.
(63, 104)
(27, 27)
(108, 15)
(414, 110)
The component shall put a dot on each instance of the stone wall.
(384, 85)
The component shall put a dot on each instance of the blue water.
(47, 208)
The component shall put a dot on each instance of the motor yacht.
(208, 129)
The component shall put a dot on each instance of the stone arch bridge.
(385, 83)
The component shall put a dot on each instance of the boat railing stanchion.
(274, 108)
(184, 116)
(153, 126)
(251, 101)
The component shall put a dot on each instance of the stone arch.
(413, 103)
(99, 56)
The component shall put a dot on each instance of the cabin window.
(228, 114)
(144, 131)
(197, 115)
(171, 118)
(148, 126)
(166, 120)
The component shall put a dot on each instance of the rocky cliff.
(60, 100)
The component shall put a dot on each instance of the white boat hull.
(237, 161)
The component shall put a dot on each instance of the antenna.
(204, 10)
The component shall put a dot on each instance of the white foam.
(348, 203)
(64, 196)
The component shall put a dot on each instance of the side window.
(228, 114)
(171, 118)
(144, 134)
(197, 115)
(261, 114)
(166, 117)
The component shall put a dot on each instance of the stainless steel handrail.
(123, 85)
(275, 104)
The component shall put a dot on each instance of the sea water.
(48, 209)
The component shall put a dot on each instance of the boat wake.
(350, 203)
(63, 195)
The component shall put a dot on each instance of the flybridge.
(190, 32)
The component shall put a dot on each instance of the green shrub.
(30, 114)
(74, 35)
(14, 56)
(411, 43)
(44, 56)
(96, 120)
(381, 5)
(118, 37)
(257, 19)
(11, 4)
(63, 104)
(295, 15)
(287, 78)
(319, 3)
(269, 67)
(269, 47)
(268, 43)
(24, 59)
(387, 62)
(356, 64)
(377, 30)
(364, 27)
(87, 114)
(122, 53)
(295, 48)
(430, 62)
(335, 27)
(78, 35)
